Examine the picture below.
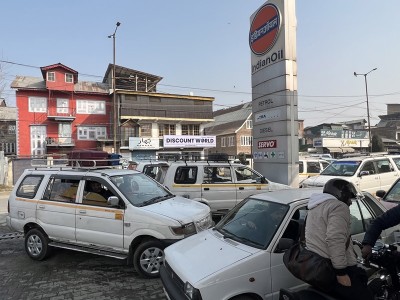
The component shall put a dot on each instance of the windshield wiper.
(229, 235)
(156, 199)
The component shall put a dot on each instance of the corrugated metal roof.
(232, 115)
(25, 82)
(223, 129)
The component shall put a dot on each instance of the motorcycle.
(383, 276)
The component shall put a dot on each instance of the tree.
(377, 144)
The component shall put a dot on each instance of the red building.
(57, 113)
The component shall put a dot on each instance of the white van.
(112, 212)
(368, 173)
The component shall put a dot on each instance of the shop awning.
(340, 150)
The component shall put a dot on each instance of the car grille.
(174, 277)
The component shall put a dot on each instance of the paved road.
(66, 274)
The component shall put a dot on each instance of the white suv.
(112, 212)
(220, 185)
(368, 173)
(310, 166)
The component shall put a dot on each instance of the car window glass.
(29, 186)
(301, 167)
(394, 193)
(313, 167)
(397, 161)
(59, 189)
(295, 225)
(185, 175)
(368, 167)
(324, 164)
(341, 168)
(356, 220)
(95, 193)
(384, 166)
(246, 175)
(217, 175)
(370, 202)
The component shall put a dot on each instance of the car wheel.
(148, 258)
(37, 244)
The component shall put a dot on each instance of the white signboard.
(189, 141)
(142, 143)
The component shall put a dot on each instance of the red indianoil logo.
(264, 29)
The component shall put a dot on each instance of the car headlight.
(187, 229)
(191, 292)
(204, 223)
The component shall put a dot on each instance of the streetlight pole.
(366, 92)
(113, 88)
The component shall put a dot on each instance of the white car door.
(248, 182)
(387, 173)
(96, 222)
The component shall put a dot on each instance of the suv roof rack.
(83, 164)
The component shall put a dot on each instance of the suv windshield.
(140, 190)
(253, 223)
(341, 168)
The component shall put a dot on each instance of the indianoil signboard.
(272, 41)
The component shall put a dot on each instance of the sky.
(201, 47)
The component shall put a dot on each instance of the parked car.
(310, 166)
(112, 212)
(220, 185)
(368, 173)
(246, 262)
(153, 168)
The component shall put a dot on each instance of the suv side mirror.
(113, 201)
(362, 173)
(283, 245)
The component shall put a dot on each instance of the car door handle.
(82, 212)
(206, 189)
(42, 207)
(241, 188)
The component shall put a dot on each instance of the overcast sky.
(202, 47)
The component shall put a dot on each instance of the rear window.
(185, 175)
(29, 186)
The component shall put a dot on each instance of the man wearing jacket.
(327, 233)
(389, 219)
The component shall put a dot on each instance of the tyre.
(37, 244)
(148, 258)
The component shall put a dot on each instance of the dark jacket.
(389, 219)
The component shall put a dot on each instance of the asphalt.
(66, 274)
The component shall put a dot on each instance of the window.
(51, 76)
(11, 129)
(190, 129)
(223, 142)
(231, 141)
(61, 189)
(166, 129)
(301, 167)
(217, 175)
(62, 106)
(246, 140)
(91, 133)
(313, 167)
(369, 167)
(245, 175)
(96, 193)
(91, 107)
(29, 186)
(69, 78)
(249, 124)
(37, 104)
(145, 129)
(384, 166)
(185, 175)
(7, 147)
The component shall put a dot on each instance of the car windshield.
(341, 168)
(394, 193)
(253, 222)
(140, 190)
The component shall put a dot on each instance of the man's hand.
(344, 280)
(366, 251)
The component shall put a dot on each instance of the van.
(118, 213)
(219, 184)
(310, 166)
(368, 173)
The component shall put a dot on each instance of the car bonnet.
(178, 208)
(184, 257)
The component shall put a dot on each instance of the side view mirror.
(113, 201)
(380, 193)
(261, 180)
(283, 245)
(362, 173)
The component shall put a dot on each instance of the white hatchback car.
(235, 261)
(112, 212)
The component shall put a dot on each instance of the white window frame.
(249, 124)
(11, 129)
(223, 142)
(91, 133)
(91, 107)
(231, 141)
(51, 76)
(69, 78)
(62, 105)
(37, 104)
(246, 140)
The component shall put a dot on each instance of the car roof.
(287, 196)
(82, 171)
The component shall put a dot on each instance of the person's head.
(95, 186)
(341, 189)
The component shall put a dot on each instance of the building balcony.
(61, 114)
(60, 142)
